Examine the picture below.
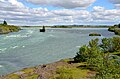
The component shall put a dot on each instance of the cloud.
(116, 3)
(19, 14)
(100, 14)
(64, 3)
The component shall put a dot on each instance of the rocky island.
(94, 34)
(5, 28)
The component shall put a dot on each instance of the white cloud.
(116, 3)
(19, 14)
(98, 8)
(64, 3)
(100, 14)
(16, 3)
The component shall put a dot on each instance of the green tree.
(98, 57)
(116, 43)
(119, 25)
(4, 22)
(107, 45)
(82, 55)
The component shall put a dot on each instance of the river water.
(29, 47)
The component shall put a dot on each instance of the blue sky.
(104, 3)
(55, 12)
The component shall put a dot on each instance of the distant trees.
(119, 25)
(4, 22)
(115, 29)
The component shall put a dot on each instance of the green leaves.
(94, 43)
(4, 22)
(99, 59)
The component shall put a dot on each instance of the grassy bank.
(115, 29)
(4, 29)
(62, 69)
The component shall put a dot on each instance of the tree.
(107, 45)
(82, 54)
(98, 57)
(119, 25)
(4, 22)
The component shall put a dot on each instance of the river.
(29, 47)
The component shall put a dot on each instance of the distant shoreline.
(58, 27)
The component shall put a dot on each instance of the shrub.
(98, 57)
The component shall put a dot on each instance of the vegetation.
(4, 28)
(61, 26)
(70, 73)
(4, 23)
(98, 57)
(78, 26)
(115, 29)
(27, 73)
(94, 34)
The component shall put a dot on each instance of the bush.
(94, 34)
(98, 57)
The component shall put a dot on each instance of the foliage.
(119, 25)
(107, 45)
(61, 26)
(86, 52)
(94, 34)
(4, 22)
(115, 29)
(82, 54)
(99, 59)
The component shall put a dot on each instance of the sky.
(60, 12)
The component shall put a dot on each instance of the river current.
(29, 47)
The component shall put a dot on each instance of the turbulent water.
(29, 47)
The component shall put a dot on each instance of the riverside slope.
(53, 71)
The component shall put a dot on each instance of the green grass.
(70, 73)
(28, 70)
(34, 76)
(67, 60)
(4, 29)
(12, 76)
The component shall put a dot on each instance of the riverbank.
(63, 69)
(65, 26)
(99, 61)
(115, 29)
(5, 29)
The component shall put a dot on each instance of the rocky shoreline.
(5, 29)
(51, 71)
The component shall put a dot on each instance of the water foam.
(14, 47)
(78, 46)
(1, 66)
(23, 46)
(17, 36)
(3, 49)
